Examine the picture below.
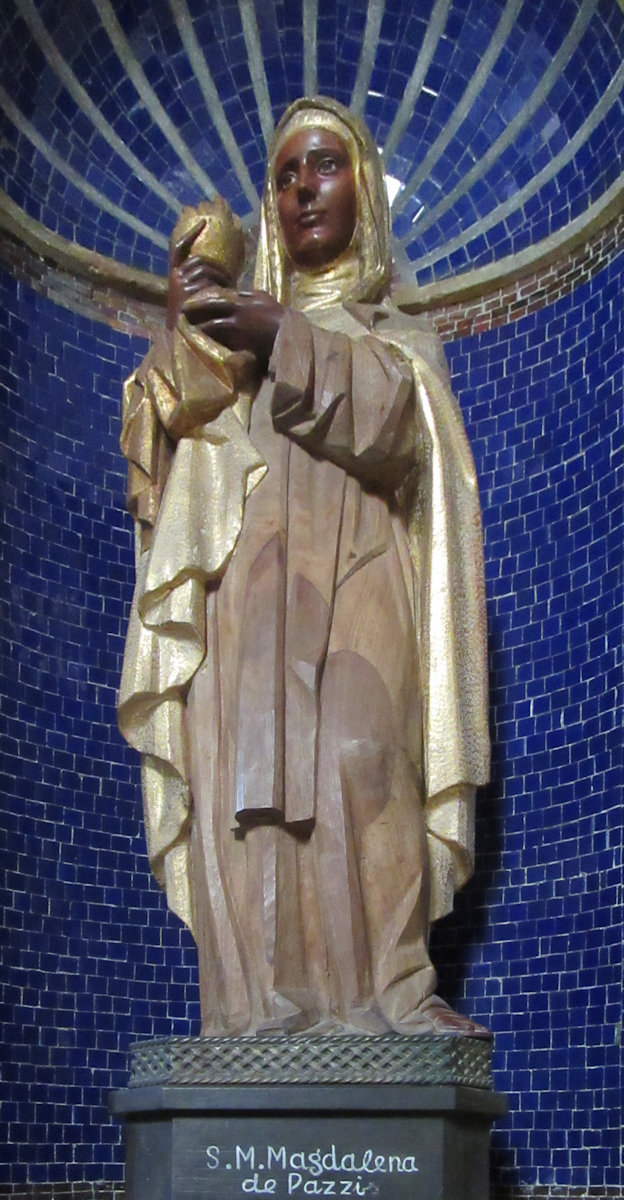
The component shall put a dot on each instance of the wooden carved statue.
(305, 669)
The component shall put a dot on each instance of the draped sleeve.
(191, 467)
(348, 400)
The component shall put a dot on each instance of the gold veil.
(363, 271)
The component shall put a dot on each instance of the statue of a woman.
(305, 671)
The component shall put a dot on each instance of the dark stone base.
(391, 1141)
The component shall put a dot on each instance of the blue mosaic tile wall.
(537, 935)
(562, 130)
(91, 958)
(85, 936)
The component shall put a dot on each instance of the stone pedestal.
(387, 1139)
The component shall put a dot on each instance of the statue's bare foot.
(435, 1016)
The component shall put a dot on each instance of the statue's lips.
(310, 218)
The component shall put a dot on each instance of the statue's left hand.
(189, 273)
(239, 320)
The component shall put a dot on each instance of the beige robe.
(305, 667)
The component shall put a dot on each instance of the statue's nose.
(306, 189)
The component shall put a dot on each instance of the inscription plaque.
(384, 1141)
(305, 1161)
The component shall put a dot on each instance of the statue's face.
(316, 197)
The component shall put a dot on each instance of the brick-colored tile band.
(477, 315)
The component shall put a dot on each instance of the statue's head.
(324, 228)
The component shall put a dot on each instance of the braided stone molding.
(386, 1058)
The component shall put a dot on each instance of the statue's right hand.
(189, 274)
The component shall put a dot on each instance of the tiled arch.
(500, 120)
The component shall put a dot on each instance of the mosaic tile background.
(92, 959)
(538, 932)
(511, 110)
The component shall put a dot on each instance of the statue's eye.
(327, 165)
(285, 180)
